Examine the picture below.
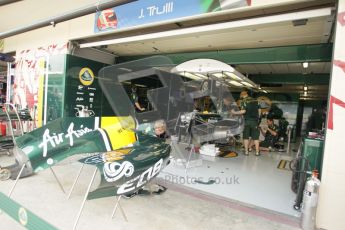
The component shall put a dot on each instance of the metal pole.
(192, 150)
(289, 140)
(18, 117)
(63, 190)
(9, 122)
(115, 208)
(75, 181)
(9, 86)
(15, 182)
(84, 200)
(123, 212)
(46, 82)
(117, 204)
(65, 17)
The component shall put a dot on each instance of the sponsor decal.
(94, 159)
(142, 179)
(86, 76)
(107, 19)
(22, 216)
(114, 170)
(112, 156)
(55, 139)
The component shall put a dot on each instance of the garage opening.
(283, 64)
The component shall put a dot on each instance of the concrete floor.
(246, 179)
(175, 209)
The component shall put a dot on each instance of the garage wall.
(26, 12)
(331, 209)
(61, 33)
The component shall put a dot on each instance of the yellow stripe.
(40, 96)
(2, 45)
(282, 164)
(119, 130)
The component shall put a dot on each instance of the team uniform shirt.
(251, 118)
(134, 98)
(251, 106)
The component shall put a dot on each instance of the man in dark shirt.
(249, 108)
(271, 136)
(135, 99)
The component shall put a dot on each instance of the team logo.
(107, 20)
(22, 216)
(86, 76)
(114, 170)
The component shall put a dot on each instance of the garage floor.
(176, 208)
(252, 180)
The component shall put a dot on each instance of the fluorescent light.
(305, 93)
(233, 76)
(142, 86)
(200, 75)
(264, 91)
(199, 30)
(219, 75)
(194, 76)
(247, 84)
(190, 75)
(235, 83)
(305, 88)
(305, 64)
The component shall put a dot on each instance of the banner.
(151, 11)
(30, 72)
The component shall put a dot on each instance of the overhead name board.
(145, 12)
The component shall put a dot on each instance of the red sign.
(333, 100)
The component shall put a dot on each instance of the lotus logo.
(22, 216)
(86, 76)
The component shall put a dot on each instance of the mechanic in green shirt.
(249, 108)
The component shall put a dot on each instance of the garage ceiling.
(315, 31)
